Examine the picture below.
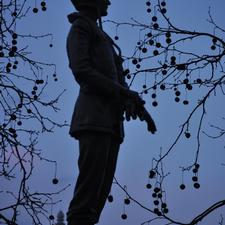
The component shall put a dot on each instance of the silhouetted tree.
(24, 111)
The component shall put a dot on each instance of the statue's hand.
(145, 116)
(132, 104)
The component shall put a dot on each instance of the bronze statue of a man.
(97, 121)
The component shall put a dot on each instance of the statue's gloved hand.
(132, 104)
(144, 115)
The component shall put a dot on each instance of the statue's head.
(100, 5)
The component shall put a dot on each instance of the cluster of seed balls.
(43, 7)
(161, 207)
(162, 7)
(196, 184)
(126, 202)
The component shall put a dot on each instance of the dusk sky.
(139, 147)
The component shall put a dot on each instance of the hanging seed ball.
(149, 34)
(168, 40)
(11, 130)
(163, 11)
(138, 66)
(124, 216)
(189, 87)
(116, 38)
(148, 186)
(185, 102)
(156, 189)
(199, 81)
(160, 195)
(50, 45)
(154, 195)
(187, 135)
(148, 3)
(35, 10)
(11, 54)
(155, 103)
(127, 201)
(186, 81)
(151, 42)
(134, 61)
(51, 217)
(44, 8)
(43, 3)
(196, 185)
(154, 18)
(177, 99)
(19, 123)
(166, 210)
(168, 34)
(14, 35)
(213, 47)
(195, 170)
(13, 117)
(156, 211)
(110, 198)
(162, 87)
(155, 52)
(14, 67)
(14, 41)
(164, 205)
(214, 40)
(155, 25)
(153, 95)
(144, 50)
(152, 174)
(14, 48)
(156, 202)
(55, 181)
(195, 178)
(149, 10)
(163, 4)
(158, 44)
(182, 186)
(128, 76)
(9, 64)
(173, 58)
(164, 72)
(146, 92)
(177, 93)
(197, 166)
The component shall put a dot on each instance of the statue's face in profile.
(104, 7)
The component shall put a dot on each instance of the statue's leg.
(93, 159)
(109, 174)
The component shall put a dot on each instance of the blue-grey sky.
(139, 147)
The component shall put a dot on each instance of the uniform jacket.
(98, 70)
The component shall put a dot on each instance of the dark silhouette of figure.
(97, 121)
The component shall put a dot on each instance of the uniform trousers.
(98, 152)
